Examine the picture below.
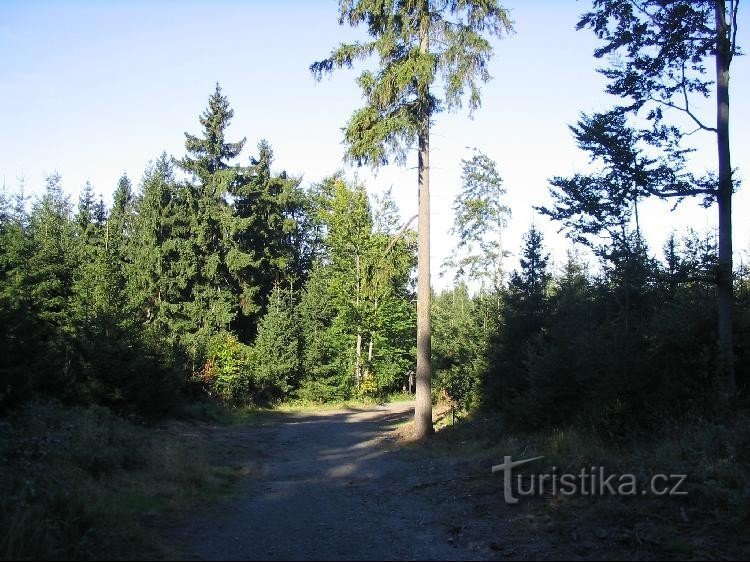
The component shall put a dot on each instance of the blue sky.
(92, 89)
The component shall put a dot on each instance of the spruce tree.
(479, 220)
(211, 305)
(263, 254)
(416, 42)
(160, 263)
(53, 258)
(525, 312)
(51, 270)
(22, 338)
(277, 364)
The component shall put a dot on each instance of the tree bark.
(358, 360)
(423, 407)
(724, 200)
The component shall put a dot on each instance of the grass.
(712, 520)
(353, 404)
(82, 483)
(218, 413)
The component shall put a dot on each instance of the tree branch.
(398, 236)
(686, 110)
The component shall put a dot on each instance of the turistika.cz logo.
(590, 481)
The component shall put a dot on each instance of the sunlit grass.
(715, 456)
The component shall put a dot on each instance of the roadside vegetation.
(709, 518)
(83, 483)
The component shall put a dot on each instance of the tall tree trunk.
(358, 360)
(724, 198)
(423, 408)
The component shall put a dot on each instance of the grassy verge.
(710, 521)
(213, 412)
(82, 483)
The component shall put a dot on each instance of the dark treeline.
(616, 352)
(211, 278)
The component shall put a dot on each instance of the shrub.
(227, 371)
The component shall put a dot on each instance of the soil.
(335, 485)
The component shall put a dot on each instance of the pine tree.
(211, 305)
(277, 350)
(416, 42)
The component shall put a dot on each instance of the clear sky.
(92, 89)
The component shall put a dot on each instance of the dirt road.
(329, 485)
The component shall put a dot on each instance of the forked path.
(328, 486)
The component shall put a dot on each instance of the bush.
(227, 371)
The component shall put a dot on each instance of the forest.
(213, 283)
(241, 286)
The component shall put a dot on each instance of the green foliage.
(524, 314)
(459, 351)
(617, 354)
(661, 50)
(603, 202)
(124, 307)
(479, 219)
(207, 305)
(277, 359)
(76, 482)
(227, 373)
(326, 351)
(397, 94)
(358, 287)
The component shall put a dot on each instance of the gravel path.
(329, 486)
(333, 485)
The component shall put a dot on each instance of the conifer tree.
(51, 269)
(160, 263)
(416, 42)
(22, 337)
(52, 262)
(211, 305)
(262, 203)
(278, 345)
(525, 313)
(479, 220)
(605, 202)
